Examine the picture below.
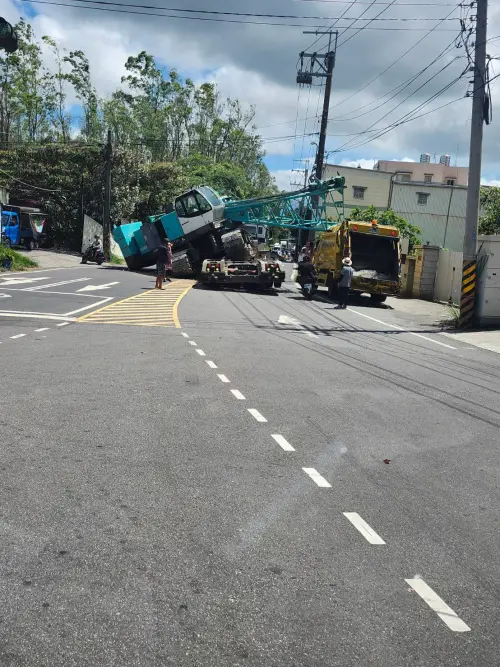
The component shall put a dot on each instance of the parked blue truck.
(22, 226)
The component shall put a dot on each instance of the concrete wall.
(90, 228)
(4, 196)
(376, 186)
(448, 277)
(425, 272)
(417, 171)
(438, 227)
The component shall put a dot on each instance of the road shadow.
(236, 290)
(364, 302)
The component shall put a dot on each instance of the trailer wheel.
(378, 298)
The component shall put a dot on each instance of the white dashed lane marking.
(283, 443)
(40, 330)
(201, 353)
(367, 531)
(63, 324)
(191, 342)
(255, 413)
(223, 378)
(185, 335)
(211, 364)
(445, 613)
(237, 394)
(316, 477)
(18, 336)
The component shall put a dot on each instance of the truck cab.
(22, 225)
(197, 209)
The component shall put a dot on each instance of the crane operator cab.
(197, 209)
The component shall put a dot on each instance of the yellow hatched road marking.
(151, 308)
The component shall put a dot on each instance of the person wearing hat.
(345, 281)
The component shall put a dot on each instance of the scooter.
(308, 290)
(93, 255)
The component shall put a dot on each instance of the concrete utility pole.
(469, 270)
(324, 70)
(320, 66)
(320, 156)
(106, 222)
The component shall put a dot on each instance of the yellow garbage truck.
(375, 253)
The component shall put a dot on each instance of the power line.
(399, 88)
(345, 145)
(393, 63)
(201, 18)
(243, 14)
(28, 185)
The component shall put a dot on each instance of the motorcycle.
(93, 255)
(308, 289)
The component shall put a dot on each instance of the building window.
(427, 178)
(358, 192)
(422, 198)
(403, 178)
(451, 181)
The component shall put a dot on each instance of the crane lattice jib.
(308, 208)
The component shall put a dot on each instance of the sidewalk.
(440, 317)
(47, 259)
(423, 313)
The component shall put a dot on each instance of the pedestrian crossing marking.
(154, 308)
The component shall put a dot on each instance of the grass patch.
(19, 262)
(114, 259)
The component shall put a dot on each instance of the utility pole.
(320, 66)
(469, 268)
(106, 222)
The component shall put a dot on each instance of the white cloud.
(364, 163)
(285, 178)
(493, 182)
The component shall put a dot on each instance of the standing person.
(345, 281)
(168, 272)
(161, 263)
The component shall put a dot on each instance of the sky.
(386, 70)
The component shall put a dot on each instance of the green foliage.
(19, 261)
(489, 223)
(406, 229)
(167, 134)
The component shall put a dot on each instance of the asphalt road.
(219, 496)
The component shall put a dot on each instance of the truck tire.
(182, 265)
(6, 241)
(30, 245)
(378, 298)
(235, 246)
(277, 284)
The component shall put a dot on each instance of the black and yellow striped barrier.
(468, 295)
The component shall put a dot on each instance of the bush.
(19, 262)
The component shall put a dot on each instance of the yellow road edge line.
(176, 306)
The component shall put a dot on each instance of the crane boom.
(301, 209)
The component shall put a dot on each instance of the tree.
(489, 223)
(168, 133)
(406, 229)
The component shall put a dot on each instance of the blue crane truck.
(209, 235)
